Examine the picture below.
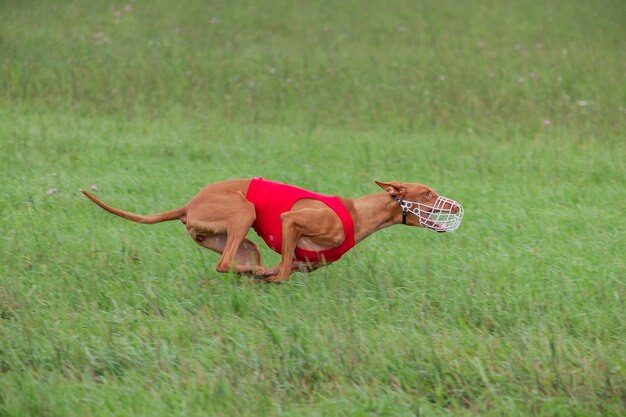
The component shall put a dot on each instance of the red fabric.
(271, 199)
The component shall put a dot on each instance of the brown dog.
(313, 230)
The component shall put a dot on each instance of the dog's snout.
(455, 208)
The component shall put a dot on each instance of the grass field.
(516, 109)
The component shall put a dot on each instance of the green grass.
(520, 312)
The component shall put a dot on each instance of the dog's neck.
(373, 213)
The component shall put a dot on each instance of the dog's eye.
(426, 194)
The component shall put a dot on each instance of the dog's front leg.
(322, 225)
(291, 234)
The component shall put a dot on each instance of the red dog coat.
(271, 199)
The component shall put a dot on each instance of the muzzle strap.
(402, 206)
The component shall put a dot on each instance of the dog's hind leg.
(221, 224)
(246, 257)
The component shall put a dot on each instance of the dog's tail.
(138, 218)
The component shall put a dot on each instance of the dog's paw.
(274, 279)
(263, 272)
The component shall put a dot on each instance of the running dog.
(307, 229)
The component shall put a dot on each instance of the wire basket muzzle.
(444, 216)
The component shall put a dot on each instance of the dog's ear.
(393, 188)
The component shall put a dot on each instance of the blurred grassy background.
(402, 64)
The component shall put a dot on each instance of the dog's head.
(431, 211)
